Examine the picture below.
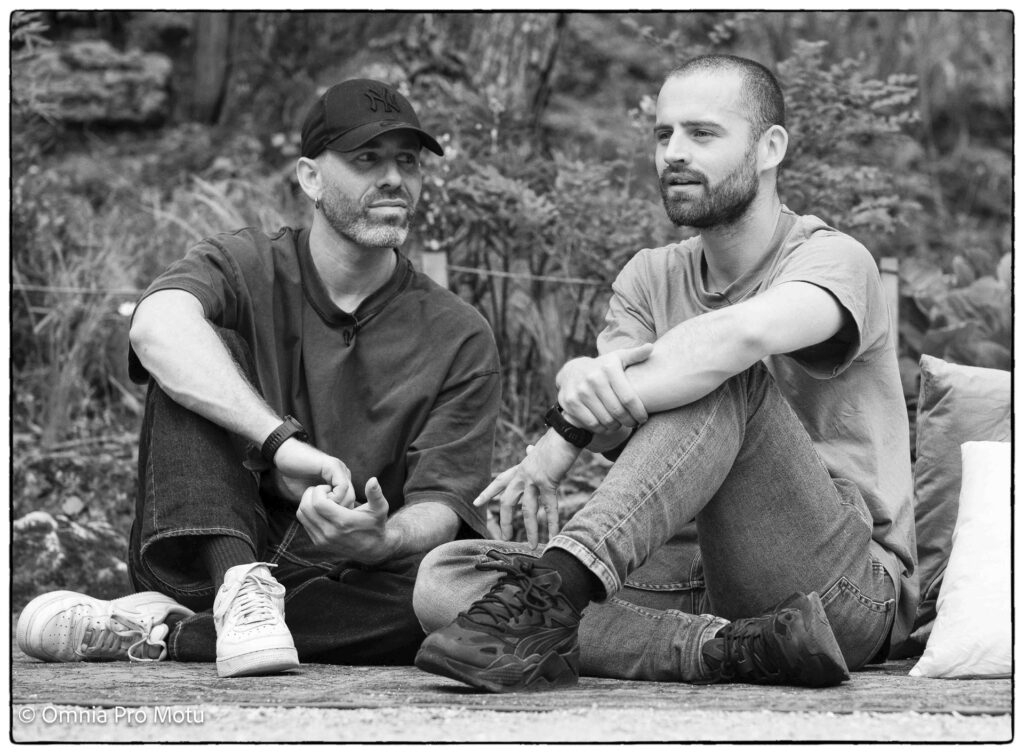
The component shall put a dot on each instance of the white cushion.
(973, 634)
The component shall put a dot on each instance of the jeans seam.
(672, 586)
(697, 566)
(844, 584)
(639, 609)
(323, 565)
(298, 589)
(173, 651)
(685, 455)
(150, 473)
(886, 609)
(280, 551)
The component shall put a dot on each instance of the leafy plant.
(964, 316)
(536, 219)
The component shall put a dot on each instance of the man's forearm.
(691, 360)
(419, 528)
(190, 362)
(699, 354)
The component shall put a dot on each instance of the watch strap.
(577, 436)
(289, 428)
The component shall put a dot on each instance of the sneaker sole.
(536, 673)
(261, 662)
(826, 666)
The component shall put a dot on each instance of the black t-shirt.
(406, 388)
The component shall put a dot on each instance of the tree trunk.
(212, 63)
(514, 54)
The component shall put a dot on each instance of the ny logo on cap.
(382, 97)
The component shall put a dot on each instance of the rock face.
(90, 82)
(53, 552)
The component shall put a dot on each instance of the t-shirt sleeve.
(628, 322)
(449, 461)
(844, 268)
(209, 274)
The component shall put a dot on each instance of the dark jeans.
(193, 484)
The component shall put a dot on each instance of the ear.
(774, 142)
(308, 173)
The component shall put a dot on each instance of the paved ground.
(187, 702)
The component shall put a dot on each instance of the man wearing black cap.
(316, 407)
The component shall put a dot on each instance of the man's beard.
(351, 220)
(720, 205)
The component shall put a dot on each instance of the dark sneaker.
(793, 645)
(521, 636)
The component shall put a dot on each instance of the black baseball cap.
(351, 113)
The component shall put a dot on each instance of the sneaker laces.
(746, 651)
(500, 603)
(117, 633)
(253, 604)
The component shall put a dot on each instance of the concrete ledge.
(391, 695)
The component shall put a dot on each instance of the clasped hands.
(595, 394)
(328, 510)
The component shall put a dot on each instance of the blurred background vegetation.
(137, 133)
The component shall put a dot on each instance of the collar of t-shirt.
(740, 288)
(318, 297)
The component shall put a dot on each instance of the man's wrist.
(576, 436)
(604, 441)
(563, 444)
(286, 430)
(388, 549)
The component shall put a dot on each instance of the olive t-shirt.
(406, 388)
(847, 394)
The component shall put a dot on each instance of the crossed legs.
(770, 521)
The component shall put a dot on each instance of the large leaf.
(940, 341)
(987, 353)
(986, 302)
(924, 282)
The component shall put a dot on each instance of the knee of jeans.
(434, 598)
(448, 580)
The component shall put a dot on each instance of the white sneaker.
(252, 638)
(72, 627)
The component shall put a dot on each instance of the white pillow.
(973, 635)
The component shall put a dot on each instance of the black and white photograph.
(511, 375)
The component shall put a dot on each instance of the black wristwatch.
(577, 436)
(290, 427)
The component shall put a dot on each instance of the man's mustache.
(673, 177)
(387, 196)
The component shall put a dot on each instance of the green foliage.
(845, 132)
(964, 316)
(542, 209)
(544, 237)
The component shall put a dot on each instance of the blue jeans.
(193, 484)
(714, 511)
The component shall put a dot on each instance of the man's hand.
(358, 534)
(299, 466)
(534, 480)
(595, 393)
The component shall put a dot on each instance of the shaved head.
(761, 93)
